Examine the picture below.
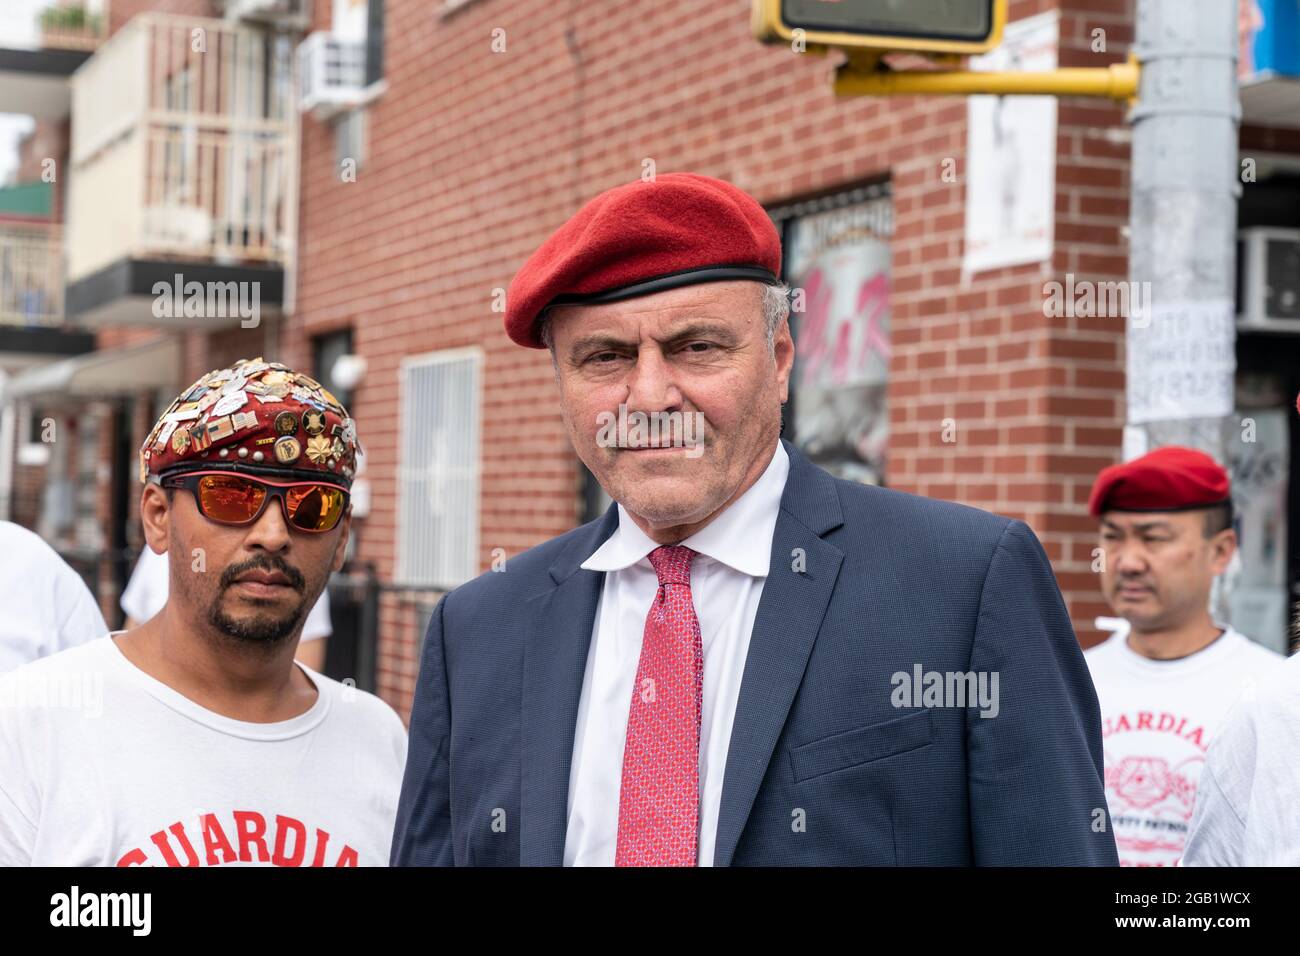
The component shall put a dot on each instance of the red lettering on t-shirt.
(348, 857)
(290, 842)
(251, 827)
(178, 830)
(214, 838)
(136, 857)
(283, 825)
(322, 840)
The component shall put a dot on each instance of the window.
(362, 21)
(326, 350)
(438, 468)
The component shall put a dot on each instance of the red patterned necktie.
(659, 802)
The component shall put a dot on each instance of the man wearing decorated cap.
(745, 661)
(195, 739)
(1166, 682)
(1250, 787)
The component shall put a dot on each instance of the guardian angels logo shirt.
(1157, 721)
(102, 765)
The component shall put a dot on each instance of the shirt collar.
(740, 537)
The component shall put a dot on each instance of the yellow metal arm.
(1116, 82)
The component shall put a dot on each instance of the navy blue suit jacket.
(823, 768)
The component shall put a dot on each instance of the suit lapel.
(789, 616)
(555, 657)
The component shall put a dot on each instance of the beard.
(264, 630)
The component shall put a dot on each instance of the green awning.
(27, 199)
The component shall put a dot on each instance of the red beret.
(1172, 478)
(644, 237)
(256, 417)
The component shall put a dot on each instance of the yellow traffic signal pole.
(864, 73)
(1116, 82)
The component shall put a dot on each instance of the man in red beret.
(745, 661)
(1166, 682)
(195, 739)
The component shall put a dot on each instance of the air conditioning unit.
(331, 73)
(294, 14)
(1268, 279)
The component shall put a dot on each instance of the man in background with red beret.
(1165, 683)
(195, 739)
(745, 661)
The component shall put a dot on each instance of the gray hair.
(776, 309)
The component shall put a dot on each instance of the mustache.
(263, 563)
(1132, 582)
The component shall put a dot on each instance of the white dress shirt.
(727, 577)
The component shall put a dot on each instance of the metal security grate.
(438, 472)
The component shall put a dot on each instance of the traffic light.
(926, 26)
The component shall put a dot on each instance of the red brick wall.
(120, 11)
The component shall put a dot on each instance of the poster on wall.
(1011, 156)
(839, 263)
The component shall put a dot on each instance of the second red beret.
(1172, 478)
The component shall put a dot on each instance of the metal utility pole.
(1185, 185)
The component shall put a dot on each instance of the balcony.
(286, 14)
(183, 169)
(42, 42)
(31, 297)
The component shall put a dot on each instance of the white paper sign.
(1011, 156)
(1181, 360)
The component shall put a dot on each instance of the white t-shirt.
(102, 764)
(1157, 721)
(146, 593)
(1249, 810)
(45, 606)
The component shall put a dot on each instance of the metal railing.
(31, 275)
(184, 144)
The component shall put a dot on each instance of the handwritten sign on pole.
(1181, 360)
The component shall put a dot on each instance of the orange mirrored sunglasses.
(235, 499)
